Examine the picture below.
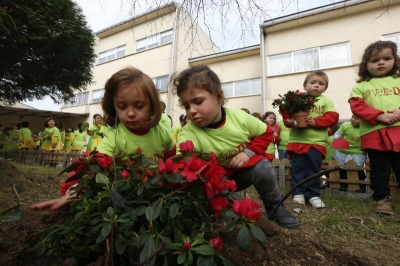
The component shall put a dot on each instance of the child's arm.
(364, 111)
(328, 119)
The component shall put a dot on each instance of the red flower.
(187, 146)
(230, 185)
(247, 208)
(103, 160)
(311, 101)
(193, 168)
(125, 174)
(186, 246)
(139, 150)
(208, 189)
(166, 167)
(217, 243)
(218, 204)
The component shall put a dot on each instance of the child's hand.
(396, 113)
(239, 160)
(387, 118)
(53, 204)
(310, 121)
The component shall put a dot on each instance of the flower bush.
(295, 101)
(147, 213)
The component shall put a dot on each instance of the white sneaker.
(316, 202)
(299, 199)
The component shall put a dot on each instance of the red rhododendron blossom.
(186, 146)
(217, 243)
(186, 246)
(125, 174)
(218, 204)
(104, 160)
(192, 167)
(208, 189)
(230, 185)
(161, 167)
(145, 178)
(247, 208)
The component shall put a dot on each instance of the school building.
(161, 42)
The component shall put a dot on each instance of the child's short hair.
(199, 77)
(71, 127)
(46, 124)
(130, 76)
(25, 124)
(319, 74)
(363, 73)
(266, 114)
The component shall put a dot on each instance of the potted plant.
(297, 104)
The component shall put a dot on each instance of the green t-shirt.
(166, 121)
(284, 135)
(68, 140)
(329, 150)
(79, 140)
(312, 135)
(121, 142)
(175, 131)
(352, 134)
(380, 93)
(226, 141)
(53, 137)
(95, 138)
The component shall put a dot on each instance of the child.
(165, 120)
(69, 138)
(25, 137)
(307, 147)
(60, 126)
(375, 100)
(79, 138)
(350, 131)
(50, 137)
(270, 119)
(283, 140)
(93, 131)
(131, 108)
(239, 140)
(178, 128)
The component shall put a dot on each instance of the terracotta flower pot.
(300, 119)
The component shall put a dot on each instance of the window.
(154, 41)
(395, 37)
(161, 83)
(242, 88)
(112, 54)
(309, 59)
(97, 96)
(80, 99)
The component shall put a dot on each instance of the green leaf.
(100, 239)
(205, 261)
(173, 210)
(190, 258)
(258, 233)
(182, 257)
(157, 209)
(120, 246)
(244, 239)
(174, 178)
(117, 198)
(131, 212)
(11, 214)
(204, 250)
(235, 196)
(106, 229)
(110, 211)
(226, 262)
(102, 179)
(149, 213)
(40, 248)
(70, 168)
(75, 176)
(148, 250)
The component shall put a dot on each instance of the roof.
(38, 113)
(226, 55)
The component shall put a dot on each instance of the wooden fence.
(55, 158)
(283, 173)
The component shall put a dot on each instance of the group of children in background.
(240, 141)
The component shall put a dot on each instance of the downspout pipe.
(263, 76)
(173, 60)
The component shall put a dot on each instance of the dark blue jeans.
(381, 164)
(303, 166)
(262, 177)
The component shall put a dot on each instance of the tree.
(49, 52)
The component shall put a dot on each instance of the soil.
(306, 245)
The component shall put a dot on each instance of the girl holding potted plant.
(307, 146)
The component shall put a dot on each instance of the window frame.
(390, 37)
(98, 99)
(232, 86)
(316, 63)
(157, 82)
(154, 40)
(111, 54)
